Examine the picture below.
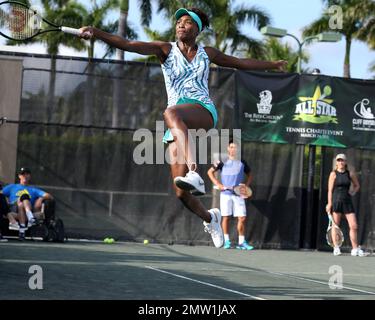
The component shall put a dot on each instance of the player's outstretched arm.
(224, 60)
(158, 48)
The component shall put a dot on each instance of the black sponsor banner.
(306, 109)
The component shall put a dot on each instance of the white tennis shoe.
(14, 226)
(31, 222)
(336, 251)
(191, 182)
(359, 252)
(214, 228)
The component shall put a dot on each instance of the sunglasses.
(340, 160)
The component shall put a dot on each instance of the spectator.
(25, 200)
(340, 202)
(233, 172)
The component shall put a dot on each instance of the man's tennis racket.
(19, 22)
(334, 235)
(242, 190)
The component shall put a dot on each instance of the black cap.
(316, 71)
(24, 170)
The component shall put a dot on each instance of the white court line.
(135, 193)
(316, 281)
(205, 283)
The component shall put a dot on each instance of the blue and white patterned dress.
(187, 82)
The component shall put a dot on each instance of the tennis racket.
(19, 22)
(240, 190)
(334, 235)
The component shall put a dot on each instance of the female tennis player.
(185, 66)
(340, 202)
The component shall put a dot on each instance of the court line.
(205, 283)
(317, 281)
(133, 193)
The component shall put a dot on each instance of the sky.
(292, 15)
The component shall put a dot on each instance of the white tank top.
(184, 79)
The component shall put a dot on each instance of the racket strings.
(18, 22)
(334, 237)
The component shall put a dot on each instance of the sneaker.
(227, 244)
(336, 251)
(198, 193)
(21, 236)
(2, 239)
(359, 252)
(14, 226)
(31, 222)
(191, 182)
(214, 227)
(244, 246)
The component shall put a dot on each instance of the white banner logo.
(366, 119)
(265, 106)
(362, 111)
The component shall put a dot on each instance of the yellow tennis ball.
(111, 240)
(106, 240)
(145, 241)
(327, 90)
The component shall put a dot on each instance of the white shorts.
(232, 205)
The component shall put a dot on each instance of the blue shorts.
(168, 138)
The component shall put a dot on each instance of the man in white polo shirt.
(233, 172)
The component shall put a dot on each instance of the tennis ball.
(111, 240)
(145, 241)
(106, 240)
(327, 90)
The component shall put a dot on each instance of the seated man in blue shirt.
(24, 199)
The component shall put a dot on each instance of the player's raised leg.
(211, 218)
(180, 119)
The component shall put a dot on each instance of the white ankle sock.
(29, 215)
(241, 239)
(226, 237)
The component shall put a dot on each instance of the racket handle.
(74, 31)
(217, 188)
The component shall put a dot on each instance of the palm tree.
(60, 12)
(224, 32)
(275, 50)
(365, 11)
(367, 31)
(353, 12)
(95, 17)
(124, 31)
(122, 25)
(372, 68)
(63, 12)
(226, 23)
